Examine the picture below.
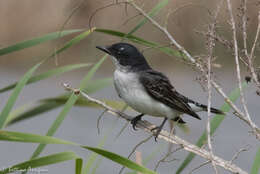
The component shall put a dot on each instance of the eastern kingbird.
(148, 91)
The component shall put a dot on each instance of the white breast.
(133, 93)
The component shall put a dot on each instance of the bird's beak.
(103, 48)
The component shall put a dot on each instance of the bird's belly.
(134, 94)
(143, 103)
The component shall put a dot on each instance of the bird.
(146, 90)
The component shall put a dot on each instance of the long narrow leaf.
(56, 124)
(46, 105)
(214, 124)
(69, 104)
(256, 165)
(45, 75)
(135, 39)
(78, 166)
(73, 41)
(33, 138)
(35, 41)
(43, 161)
(12, 99)
(120, 160)
(92, 158)
(153, 12)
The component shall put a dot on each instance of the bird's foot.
(135, 120)
(158, 130)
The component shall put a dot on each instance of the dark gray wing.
(160, 88)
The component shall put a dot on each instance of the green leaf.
(256, 165)
(31, 138)
(12, 99)
(56, 124)
(35, 41)
(73, 41)
(45, 75)
(31, 112)
(78, 165)
(46, 105)
(69, 104)
(5, 112)
(153, 12)
(43, 161)
(120, 160)
(92, 158)
(214, 124)
(135, 39)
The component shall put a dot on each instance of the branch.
(147, 127)
(239, 114)
(233, 25)
(211, 45)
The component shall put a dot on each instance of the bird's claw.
(135, 120)
(156, 134)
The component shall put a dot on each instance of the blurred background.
(23, 20)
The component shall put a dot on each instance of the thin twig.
(201, 165)
(166, 156)
(200, 68)
(238, 152)
(244, 25)
(148, 127)
(134, 150)
(211, 45)
(233, 26)
(251, 58)
(99, 118)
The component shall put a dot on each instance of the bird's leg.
(136, 119)
(159, 128)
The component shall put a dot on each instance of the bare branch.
(134, 150)
(200, 68)
(211, 45)
(251, 58)
(166, 156)
(233, 26)
(238, 152)
(201, 165)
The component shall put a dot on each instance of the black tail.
(205, 108)
(212, 110)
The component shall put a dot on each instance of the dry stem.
(239, 114)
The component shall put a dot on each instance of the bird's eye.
(120, 50)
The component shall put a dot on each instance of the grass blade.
(56, 124)
(12, 99)
(135, 39)
(78, 166)
(120, 160)
(214, 124)
(35, 41)
(43, 161)
(69, 104)
(5, 112)
(46, 105)
(92, 158)
(256, 165)
(73, 41)
(45, 75)
(31, 138)
(152, 13)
